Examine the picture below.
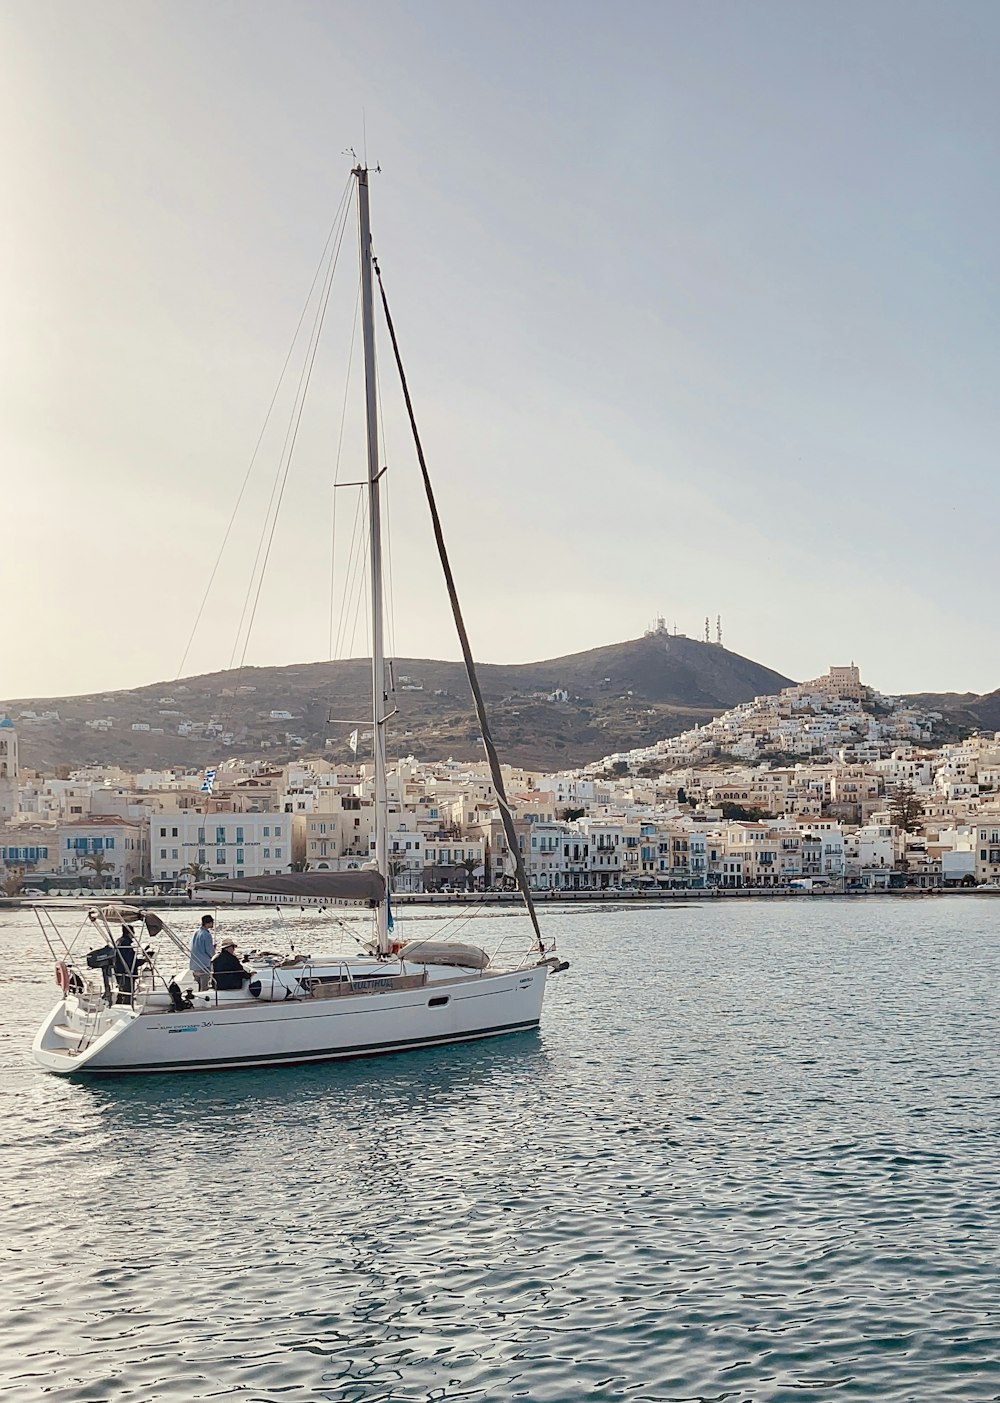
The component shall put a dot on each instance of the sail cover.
(364, 884)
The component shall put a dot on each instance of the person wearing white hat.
(228, 970)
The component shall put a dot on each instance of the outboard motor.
(103, 959)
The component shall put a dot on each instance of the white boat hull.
(120, 1039)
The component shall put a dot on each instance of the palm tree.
(99, 865)
(197, 871)
(470, 864)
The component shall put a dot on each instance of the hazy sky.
(699, 303)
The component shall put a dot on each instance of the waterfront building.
(453, 861)
(28, 847)
(104, 850)
(543, 856)
(407, 856)
(757, 846)
(219, 844)
(987, 862)
(604, 843)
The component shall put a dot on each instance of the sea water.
(751, 1155)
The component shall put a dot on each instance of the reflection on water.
(415, 1086)
(749, 1156)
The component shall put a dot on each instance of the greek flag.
(208, 782)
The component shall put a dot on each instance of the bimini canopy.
(129, 916)
(363, 884)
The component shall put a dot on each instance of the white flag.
(353, 741)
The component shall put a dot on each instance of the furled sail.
(362, 885)
(506, 813)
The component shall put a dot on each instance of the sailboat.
(144, 1012)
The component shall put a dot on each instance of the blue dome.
(7, 722)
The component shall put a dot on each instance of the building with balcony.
(104, 850)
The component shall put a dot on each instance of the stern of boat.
(76, 1033)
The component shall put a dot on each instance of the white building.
(543, 855)
(873, 846)
(405, 845)
(220, 844)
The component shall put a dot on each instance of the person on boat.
(202, 950)
(125, 965)
(228, 970)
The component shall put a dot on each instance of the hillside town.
(827, 786)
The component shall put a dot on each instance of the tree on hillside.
(743, 813)
(906, 808)
(568, 815)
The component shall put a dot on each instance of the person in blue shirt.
(202, 950)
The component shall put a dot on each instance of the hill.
(618, 697)
(960, 712)
(986, 710)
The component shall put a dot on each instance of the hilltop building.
(843, 682)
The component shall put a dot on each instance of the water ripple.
(751, 1157)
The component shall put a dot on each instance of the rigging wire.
(336, 470)
(355, 562)
(278, 486)
(344, 203)
(364, 601)
(288, 450)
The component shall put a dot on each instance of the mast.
(379, 695)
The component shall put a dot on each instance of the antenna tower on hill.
(718, 629)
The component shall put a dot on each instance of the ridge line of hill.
(558, 713)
